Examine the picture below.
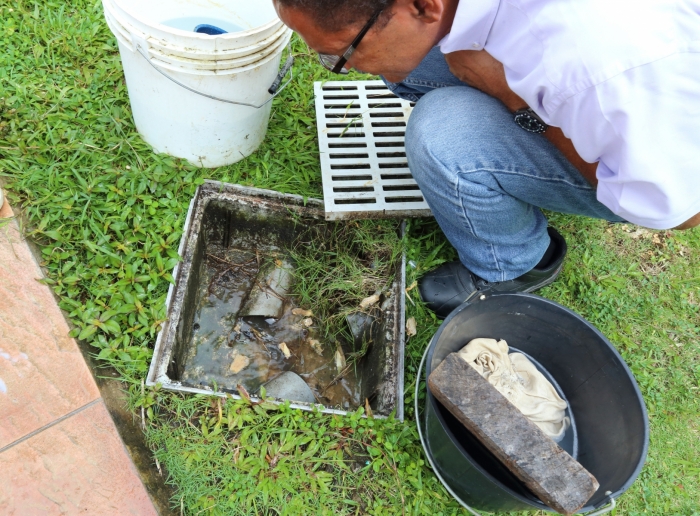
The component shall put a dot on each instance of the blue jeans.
(484, 177)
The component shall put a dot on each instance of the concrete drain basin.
(233, 318)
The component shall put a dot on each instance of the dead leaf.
(369, 301)
(339, 359)
(638, 233)
(316, 346)
(411, 327)
(239, 363)
(279, 263)
(244, 394)
(285, 350)
(302, 312)
(307, 322)
(656, 239)
(368, 409)
(413, 285)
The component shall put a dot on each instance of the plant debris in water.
(261, 313)
(342, 269)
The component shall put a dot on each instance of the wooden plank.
(546, 469)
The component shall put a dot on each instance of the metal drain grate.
(361, 129)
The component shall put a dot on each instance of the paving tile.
(42, 373)
(5, 210)
(77, 466)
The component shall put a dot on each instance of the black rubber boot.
(451, 284)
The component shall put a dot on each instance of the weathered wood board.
(547, 470)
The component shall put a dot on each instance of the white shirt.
(621, 78)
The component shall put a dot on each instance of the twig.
(337, 378)
(270, 290)
(229, 264)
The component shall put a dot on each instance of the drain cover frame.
(361, 130)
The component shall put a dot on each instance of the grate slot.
(417, 198)
(388, 124)
(399, 188)
(346, 135)
(351, 166)
(387, 114)
(346, 145)
(335, 97)
(383, 134)
(390, 105)
(348, 116)
(391, 177)
(351, 178)
(352, 156)
(353, 189)
(355, 201)
(343, 125)
(361, 130)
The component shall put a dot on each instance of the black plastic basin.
(611, 419)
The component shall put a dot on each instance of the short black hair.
(334, 15)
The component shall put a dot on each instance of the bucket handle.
(139, 45)
(604, 510)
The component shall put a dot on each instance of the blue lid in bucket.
(205, 28)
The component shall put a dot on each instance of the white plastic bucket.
(186, 88)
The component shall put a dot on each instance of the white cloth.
(621, 78)
(514, 376)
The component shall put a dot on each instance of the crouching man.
(588, 107)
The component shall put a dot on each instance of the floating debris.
(285, 350)
(360, 325)
(339, 359)
(266, 298)
(302, 312)
(411, 327)
(307, 322)
(239, 363)
(369, 301)
(316, 346)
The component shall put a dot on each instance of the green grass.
(339, 264)
(107, 214)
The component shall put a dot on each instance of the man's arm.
(481, 71)
(690, 223)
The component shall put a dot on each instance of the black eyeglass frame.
(339, 65)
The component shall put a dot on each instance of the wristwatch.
(528, 120)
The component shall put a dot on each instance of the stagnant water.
(220, 334)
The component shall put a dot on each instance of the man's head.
(401, 37)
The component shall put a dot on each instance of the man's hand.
(480, 70)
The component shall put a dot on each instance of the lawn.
(107, 215)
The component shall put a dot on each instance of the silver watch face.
(529, 121)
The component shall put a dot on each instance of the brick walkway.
(60, 452)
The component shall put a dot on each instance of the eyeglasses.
(336, 64)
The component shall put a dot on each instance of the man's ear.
(429, 11)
